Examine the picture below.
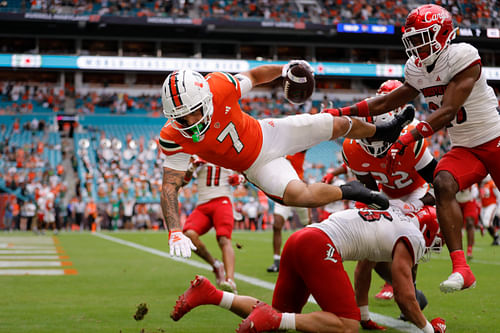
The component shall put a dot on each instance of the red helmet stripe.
(174, 92)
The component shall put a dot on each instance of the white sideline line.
(381, 319)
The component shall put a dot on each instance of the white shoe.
(455, 282)
(229, 286)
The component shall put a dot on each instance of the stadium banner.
(156, 64)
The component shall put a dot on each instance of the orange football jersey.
(297, 161)
(487, 194)
(234, 138)
(402, 181)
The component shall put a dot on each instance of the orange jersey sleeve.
(234, 138)
(487, 194)
(401, 182)
(297, 161)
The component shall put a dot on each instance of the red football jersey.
(234, 138)
(402, 181)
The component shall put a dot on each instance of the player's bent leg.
(228, 258)
(202, 292)
(298, 193)
(279, 221)
(322, 321)
(450, 220)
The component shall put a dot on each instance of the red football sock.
(458, 259)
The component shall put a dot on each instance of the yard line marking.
(27, 240)
(6, 263)
(8, 257)
(38, 272)
(25, 247)
(28, 251)
(381, 319)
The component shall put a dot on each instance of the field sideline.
(106, 280)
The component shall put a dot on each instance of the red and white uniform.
(488, 202)
(315, 254)
(239, 142)
(475, 131)
(467, 201)
(214, 207)
(404, 181)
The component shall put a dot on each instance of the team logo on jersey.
(217, 125)
(330, 253)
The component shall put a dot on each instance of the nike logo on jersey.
(329, 253)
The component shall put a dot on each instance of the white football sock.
(287, 321)
(365, 313)
(227, 300)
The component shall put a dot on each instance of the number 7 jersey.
(234, 138)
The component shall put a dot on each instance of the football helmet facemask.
(428, 32)
(379, 148)
(185, 92)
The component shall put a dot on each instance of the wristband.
(363, 110)
(428, 328)
(425, 129)
(173, 230)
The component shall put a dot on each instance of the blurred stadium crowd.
(470, 13)
(110, 174)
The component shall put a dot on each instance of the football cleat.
(199, 293)
(263, 318)
(220, 274)
(457, 282)
(371, 325)
(354, 190)
(386, 292)
(230, 286)
(273, 268)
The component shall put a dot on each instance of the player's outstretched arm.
(378, 105)
(180, 245)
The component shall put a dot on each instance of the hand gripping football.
(298, 83)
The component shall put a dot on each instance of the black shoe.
(422, 302)
(354, 190)
(496, 241)
(389, 132)
(273, 268)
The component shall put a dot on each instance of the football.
(298, 84)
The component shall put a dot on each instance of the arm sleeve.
(245, 84)
(179, 161)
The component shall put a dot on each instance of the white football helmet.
(184, 92)
(379, 148)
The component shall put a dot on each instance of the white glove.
(285, 69)
(410, 206)
(179, 244)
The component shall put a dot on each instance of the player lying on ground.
(314, 255)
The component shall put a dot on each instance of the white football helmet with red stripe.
(428, 31)
(184, 92)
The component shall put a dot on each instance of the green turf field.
(112, 279)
